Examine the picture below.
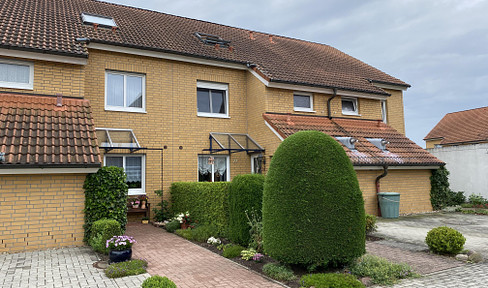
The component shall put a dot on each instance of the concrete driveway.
(410, 231)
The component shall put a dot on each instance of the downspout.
(328, 103)
(377, 182)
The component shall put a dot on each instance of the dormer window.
(379, 143)
(302, 102)
(103, 21)
(349, 142)
(350, 106)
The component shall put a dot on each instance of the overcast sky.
(440, 47)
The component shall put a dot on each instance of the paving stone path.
(187, 264)
(67, 267)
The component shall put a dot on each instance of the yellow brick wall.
(51, 78)
(41, 211)
(394, 107)
(431, 143)
(413, 186)
(171, 114)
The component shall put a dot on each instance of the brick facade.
(41, 211)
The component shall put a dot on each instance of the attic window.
(103, 21)
(212, 40)
(349, 142)
(379, 143)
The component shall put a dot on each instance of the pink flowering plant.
(120, 242)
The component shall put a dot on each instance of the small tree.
(246, 196)
(439, 191)
(105, 197)
(313, 210)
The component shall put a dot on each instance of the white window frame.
(384, 113)
(124, 108)
(215, 86)
(132, 191)
(303, 109)
(17, 85)
(227, 158)
(355, 104)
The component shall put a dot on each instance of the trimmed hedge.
(208, 203)
(105, 197)
(103, 230)
(330, 280)
(157, 281)
(313, 210)
(246, 194)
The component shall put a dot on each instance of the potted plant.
(143, 199)
(184, 219)
(145, 220)
(120, 248)
(135, 202)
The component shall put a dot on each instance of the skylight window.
(98, 19)
(210, 39)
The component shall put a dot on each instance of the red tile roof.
(401, 151)
(462, 127)
(51, 26)
(34, 132)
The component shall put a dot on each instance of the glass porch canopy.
(232, 143)
(109, 138)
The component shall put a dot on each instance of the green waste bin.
(389, 204)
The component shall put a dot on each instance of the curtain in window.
(220, 165)
(114, 161)
(133, 169)
(134, 91)
(302, 101)
(115, 90)
(218, 101)
(203, 166)
(14, 73)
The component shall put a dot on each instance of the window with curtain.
(16, 74)
(134, 169)
(213, 168)
(124, 91)
(350, 106)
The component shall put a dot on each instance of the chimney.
(59, 100)
(271, 39)
(231, 48)
(217, 46)
(114, 29)
(251, 35)
(95, 26)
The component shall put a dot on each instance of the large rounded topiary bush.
(313, 210)
(445, 240)
(245, 196)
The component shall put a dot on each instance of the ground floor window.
(213, 168)
(257, 164)
(134, 169)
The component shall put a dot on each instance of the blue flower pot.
(120, 255)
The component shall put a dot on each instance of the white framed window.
(125, 91)
(383, 111)
(350, 106)
(134, 167)
(16, 74)
(257, 161)
(212, 99)
(213, 168)
(303, 102)
(98, 19)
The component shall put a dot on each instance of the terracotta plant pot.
(145, 221)
(143, 205)
(184, 226)
(120, 255)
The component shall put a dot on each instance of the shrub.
(105, 197)
(158, 282)
(245, 194)
(445, 240)
(200, 233)
(256, 231)
(456, 198)
(370, 223)
(103, 230)
(476, 199)
(162, 211)
(208, 202)
(127, 268)
(440, 193)
(381, 270)
(330, 280)
(313, 210)
(248, 254)
(278, 272)
(173, 226)
(232, 251)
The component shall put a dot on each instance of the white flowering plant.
(184, 218)
(120, 242)
(214, 241)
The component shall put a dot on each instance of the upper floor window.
(350, 106)
(16, 74)
(212, 99)
(213, 168)
(134, 168)
(303, 102)
(125, 91)
(383, 111)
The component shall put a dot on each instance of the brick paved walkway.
(68, 267)
(187, 264)
(467, 276)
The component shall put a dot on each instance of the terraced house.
(86, 83)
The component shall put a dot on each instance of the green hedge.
(313, 210)
(246, 194)
(208, 203)
(105, 197)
